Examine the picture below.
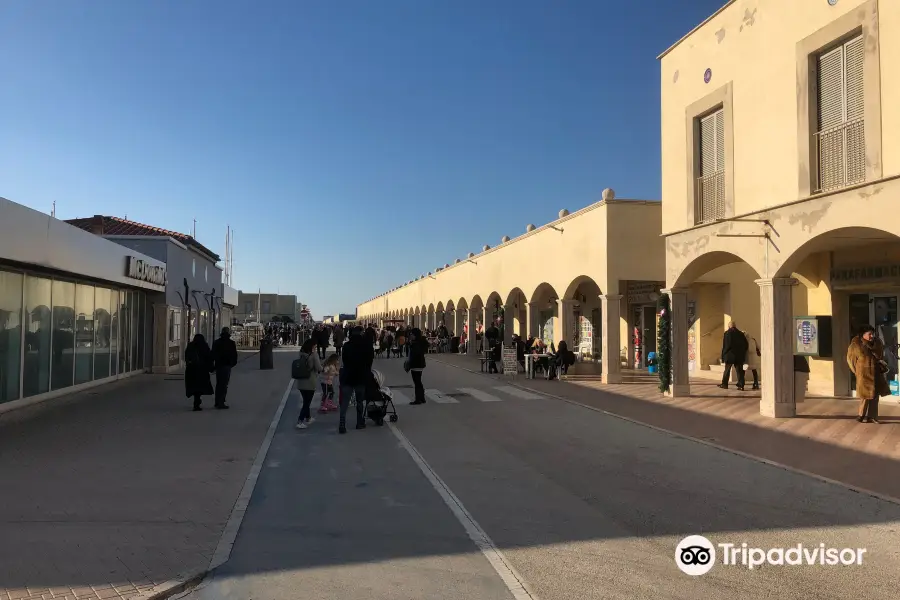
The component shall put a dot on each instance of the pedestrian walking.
(357, 359)
(330, 370)
(338, 338)
(198, 365)
(224, 356)
(305, 371)
(865, 356)
(415, 364)
(734, 353)
(753, 358)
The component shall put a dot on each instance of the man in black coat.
(224, 355)
(734, 354)
(357, 356)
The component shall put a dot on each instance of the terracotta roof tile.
(107, 225)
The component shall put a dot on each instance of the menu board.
(510, 364)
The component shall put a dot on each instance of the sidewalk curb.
(184, 583)
(772, 463)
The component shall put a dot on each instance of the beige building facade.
(781, 175)
(591, 278)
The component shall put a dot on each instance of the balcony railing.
(710, 198)
(841, 155)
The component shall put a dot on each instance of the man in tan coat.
(865, 356)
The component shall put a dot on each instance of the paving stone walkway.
(112, 492)
(824, 439)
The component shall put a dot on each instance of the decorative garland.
(664, 343)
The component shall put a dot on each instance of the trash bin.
(454, 345)
(651, 362)
(801, 377)
(266, 354)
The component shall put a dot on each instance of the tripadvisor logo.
(696, 555)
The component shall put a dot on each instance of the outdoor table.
(529, 363)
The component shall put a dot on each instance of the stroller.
(379, 399)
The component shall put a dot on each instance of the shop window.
(62, 364)
(114, 304)
(10, 335)
(38, 328)
(125, 332)
(840, 139)
(84, 333)
(143, 306)
(711, 181)
(102, 323)
(248, 307)
(135, 335)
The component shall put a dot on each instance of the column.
(533, 318)
(609, 341)
(472, 348)
(508, 323)
(566, 323)
(457, 322)
(777, 361)
(681, 383)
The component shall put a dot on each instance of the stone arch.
(833, 240)
(709, 261)
(544, 291)
(517, 320)
(584, 283)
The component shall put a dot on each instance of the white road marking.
(226, 542)
(514, 581)
(479, 395)
(518, 392)
(440, 398)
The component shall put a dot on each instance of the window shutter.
(854, 53)
(711, 184)
(830, 82)
(841, 137)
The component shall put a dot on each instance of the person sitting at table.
(562, 360)
(539, 349)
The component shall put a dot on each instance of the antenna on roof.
(194, 234)
(53, 212)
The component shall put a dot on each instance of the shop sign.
(143, 271)
(806, 336)
(510, 362)
(643, 292)
(865, 274)
(174, 356)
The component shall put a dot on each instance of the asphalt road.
(579, 505)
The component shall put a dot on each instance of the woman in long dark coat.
(198, 358)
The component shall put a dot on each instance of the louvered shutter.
(841, 108)
(711, 185)
(855, 138)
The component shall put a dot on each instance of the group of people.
(201, 360)
(351, 364)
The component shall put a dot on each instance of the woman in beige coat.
(865, 356)
(753, 356)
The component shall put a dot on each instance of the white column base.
(679, 390)
(777, 410)
(612, 377)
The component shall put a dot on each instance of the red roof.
(112, 226)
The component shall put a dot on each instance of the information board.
(806, 340)
(510, 364)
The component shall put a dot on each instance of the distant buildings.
(255, 306)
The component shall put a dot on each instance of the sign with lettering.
(143, 271)
(174, 356)
(806, 336)
(851, 275)
(643, 292)
(510, 364)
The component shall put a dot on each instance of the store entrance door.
(879, 310)
(644, 327)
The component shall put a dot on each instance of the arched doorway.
(515, 315)
(544, 313)
(583, 318)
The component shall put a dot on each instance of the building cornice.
(695, 29)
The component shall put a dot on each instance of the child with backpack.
(331, 369)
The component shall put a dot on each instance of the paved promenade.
(112, 492)
(825, 438)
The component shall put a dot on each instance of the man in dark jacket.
(357, 357)
(338, 337)
(224, 355)
(371, 334)
(734, 354)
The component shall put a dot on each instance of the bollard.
(266, 354)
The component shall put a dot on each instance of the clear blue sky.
(352, 144)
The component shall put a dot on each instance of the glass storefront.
(56, 333)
